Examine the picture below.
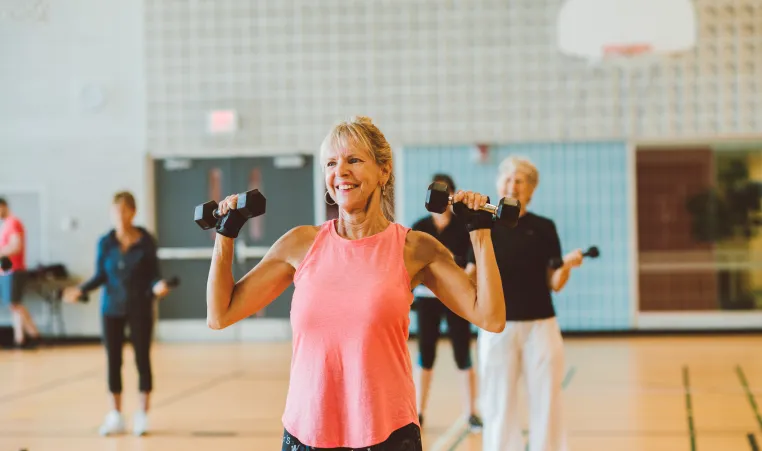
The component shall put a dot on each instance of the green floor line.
(749, 395)
(689, 408)
(568, 377)
(752, 442)
(461, 437)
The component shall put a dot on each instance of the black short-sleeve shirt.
(523, 256)
(454, 236)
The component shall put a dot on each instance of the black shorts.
(12, 287)
(406, 438)
(430, 314)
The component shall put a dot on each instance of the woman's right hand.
(227, 204)
(71, 294)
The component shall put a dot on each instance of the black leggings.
(141, 329)
(430, 313)
(407, 438)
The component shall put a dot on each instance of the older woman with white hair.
(531, 344)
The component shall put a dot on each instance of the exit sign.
(222, 121)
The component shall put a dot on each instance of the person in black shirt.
(530, 345)
(451, 231)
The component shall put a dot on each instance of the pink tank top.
(351, 382)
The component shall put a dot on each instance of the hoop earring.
(327, 196)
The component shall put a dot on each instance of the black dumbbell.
(506, 211)
(250, 204)
(593, 252)
(173, 282)
(5, 263)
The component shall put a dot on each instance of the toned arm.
(479, 300)
(557, 278)
(13, 247)
(228, 302)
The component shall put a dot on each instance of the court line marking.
(689, 407)
(452, 431)
(466, 432)
(752, 442)
(749, 395)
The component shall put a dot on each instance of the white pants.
(534, 350)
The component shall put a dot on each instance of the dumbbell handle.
(216, 213)
(556, 263)
(487, 207)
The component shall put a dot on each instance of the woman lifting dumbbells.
(351, 383)
(127, 266)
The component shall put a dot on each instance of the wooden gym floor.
(654, 393)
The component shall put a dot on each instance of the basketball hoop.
(628, 55)
(626, 31)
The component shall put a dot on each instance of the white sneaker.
(140, 423)
(112, 424)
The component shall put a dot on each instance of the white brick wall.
(430, 72)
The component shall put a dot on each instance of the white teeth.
(346, 187)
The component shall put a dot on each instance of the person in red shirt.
(12, 241)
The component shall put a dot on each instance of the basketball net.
(626, 33)
(630, 36)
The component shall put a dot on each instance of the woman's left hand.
(160, 289)
(573, 259)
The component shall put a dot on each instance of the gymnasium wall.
(57, 139)
(429, 73)
(584, 188)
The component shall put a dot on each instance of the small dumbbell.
(250, 204)
(592, 252)
(173, 282)
(506, 211)
(5, 263)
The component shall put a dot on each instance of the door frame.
(250, 329)
(681, 320)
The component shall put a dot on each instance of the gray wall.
(52, 141)
(429, 73)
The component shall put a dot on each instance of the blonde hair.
(126, 197)
(360, 132)
(516, 163)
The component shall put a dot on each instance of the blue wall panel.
(583, 188)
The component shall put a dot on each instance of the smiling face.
(354, 176)
(518, 179)
(516, 184)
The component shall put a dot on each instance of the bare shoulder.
(421, 244)
(293, 245)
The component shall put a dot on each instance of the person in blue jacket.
(127, 268)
